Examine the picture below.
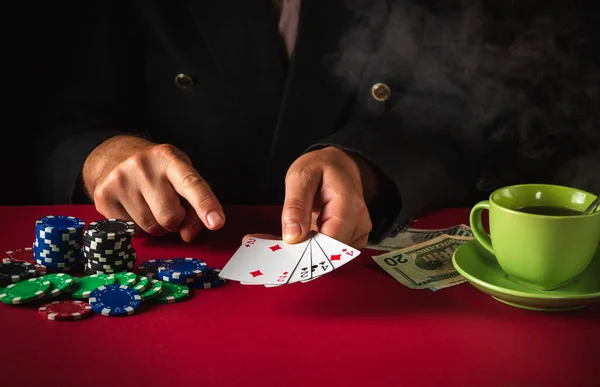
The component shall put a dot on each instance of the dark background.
(36, 40)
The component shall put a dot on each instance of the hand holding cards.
(272, 262)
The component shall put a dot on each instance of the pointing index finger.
(189, 184)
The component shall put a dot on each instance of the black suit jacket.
(464, 117)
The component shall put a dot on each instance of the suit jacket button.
(381, 92)
(184, 81)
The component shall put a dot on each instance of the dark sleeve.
(88, 97)
(423, 173)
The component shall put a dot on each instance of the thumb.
(300, 191)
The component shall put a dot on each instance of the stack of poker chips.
(107, 247)
(57, 244)
(189, 272)
(13, 271)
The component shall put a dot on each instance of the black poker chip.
(88, 271)
(15, 271)
(110, 229)
(113, 262)
(123, 261)
(105, 256)
(119, 250)
(110, 268)
(120, 244)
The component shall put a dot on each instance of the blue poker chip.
(149, 268)
(164, 276)
(51, 255)
(56, 251)
(181, 268)
(209, 280)
(58, 265)
(59, 238)
(115, 300)
(56, 244)
(60, 225)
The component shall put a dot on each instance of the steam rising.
(515, 81)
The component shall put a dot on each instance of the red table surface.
(356, 326)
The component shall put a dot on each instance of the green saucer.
(481, 270)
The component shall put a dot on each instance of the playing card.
(320, 262)
(303, 271)
(337, 253)
(313, 264)
(264, 261)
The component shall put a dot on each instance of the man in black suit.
(356, 115)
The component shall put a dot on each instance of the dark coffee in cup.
(549, 210)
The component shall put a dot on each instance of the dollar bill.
(427, 265)
(415, 236)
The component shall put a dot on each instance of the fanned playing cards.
(274, 263)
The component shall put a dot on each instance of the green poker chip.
(59, 283)
(125, 278)
(156, 288)
(142, 284)
(172, 293)
(25, 291)
(82, 287)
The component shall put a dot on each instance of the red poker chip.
(25, 255)
(65, 310)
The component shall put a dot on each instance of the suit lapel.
(316, 92)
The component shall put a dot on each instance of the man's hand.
(155, 185)
(324, 191)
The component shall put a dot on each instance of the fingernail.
(214, 219)
(291, 231)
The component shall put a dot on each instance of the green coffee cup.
(537, 233)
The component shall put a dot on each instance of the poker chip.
(25, 291)
(15, 271)
(25, 255)
(42, 259)
(101, 241)
(125, 278)
(107, 246)
(125, 260)
(150, 267)
(92, 244)
(180, 281)
(59, 224)
(142, 284)
(115, 300)
(59, 238)
(111, 268)
(57, 244)
(181, 269)
(65, 310)
(108, 255)
(156, 288)
(209, 280)
(88, 271)
(116, 251)
(83, 287)
(49, 264)
(50, 244)
(110, 229)
(172, 293)
(60, 283)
